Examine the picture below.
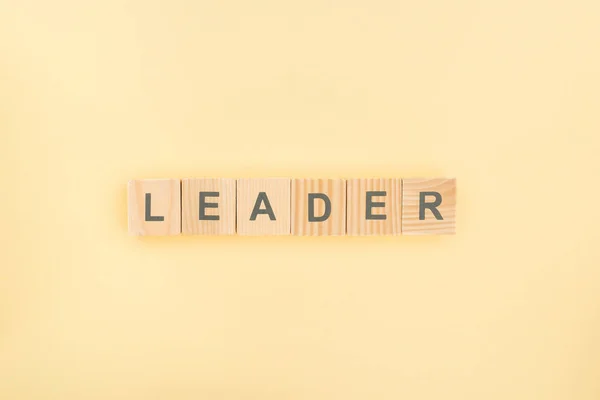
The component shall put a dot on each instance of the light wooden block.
(154, 207)
(271, 198)
(420, 197)
(208, 206)
(311, 199)
(374, 206)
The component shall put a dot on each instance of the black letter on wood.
(204, 205)
(371, 204)
(262, 197)
(311, 207)
(432, 206)
(149, 216)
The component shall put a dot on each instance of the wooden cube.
(208, 206)
(154, 207)
(374, 206)
(318, 207)
(428, 206)
(263, 206)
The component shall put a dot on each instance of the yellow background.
(502, 95)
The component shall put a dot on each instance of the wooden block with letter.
(428, 206)
(318, 207)
(374, 206)
(154, 207)
(208, 206)
(263, 206)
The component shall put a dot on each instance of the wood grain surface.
(225, 209)
(357, 205)
(335, 189)
(411, 225)
(165, 202)
(278, 192)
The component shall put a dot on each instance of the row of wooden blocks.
(284, 206)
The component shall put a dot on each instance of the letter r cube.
(428, 206)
